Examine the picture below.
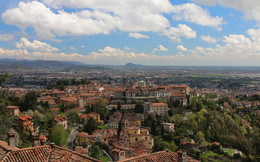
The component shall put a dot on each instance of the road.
(71, 138)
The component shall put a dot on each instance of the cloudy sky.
(148, 32)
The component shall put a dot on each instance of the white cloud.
(82, 46)
(251, 8)
(181, 31)
(191, 12)
(25, 54)
(102, 18)
(182, 48)
(35, 45)
(160, 48)
(6, 37)
(254, 34)
(138, 35)
(208, 39)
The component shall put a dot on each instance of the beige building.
(14, 110)
(158, 108)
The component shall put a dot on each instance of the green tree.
(200, 137)
(170, 113)
(139, 108)
(91, 126)
(59, 135)
(30, 101)
(62, 108)
(3, 78)
(153, 129)
(94, 151)
(73, 116)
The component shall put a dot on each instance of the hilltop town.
(112, 117)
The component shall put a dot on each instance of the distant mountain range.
(13, 64)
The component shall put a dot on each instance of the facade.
(14, 110)
(94, 115)
(26, 123)
(136, 134)
(158, 108)
(83, 139)
(128, 107)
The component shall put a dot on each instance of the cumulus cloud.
(38, 55)
(105, 17)
(138, 35)
(182, 30)
(35, 45)
(182, 48)
(160, 48)
(251, 8)
(254, 34)
(208, 39)
(6, 37)
(191, 12)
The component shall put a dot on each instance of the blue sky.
(148, 32)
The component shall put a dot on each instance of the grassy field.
(228, 150)
(210, 154)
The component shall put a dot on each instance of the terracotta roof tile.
(44, 154)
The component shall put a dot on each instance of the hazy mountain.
(131, 65)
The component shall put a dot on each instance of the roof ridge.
(75, 152)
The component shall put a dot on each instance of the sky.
(147, 32)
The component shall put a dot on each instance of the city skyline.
(155, 32)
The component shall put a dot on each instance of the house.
(158, 108)
(62, 120)
(85, 117)
(136, 134)
(26, 123)
(41, 154)
(83, 139)
(181, 88)
(128, 107)
(116, 115)
(161, 156)
(180, 97)
(111, 107)
(69, 100)
(188, 146)
(14, 110)
(113, 123)
(57, 93)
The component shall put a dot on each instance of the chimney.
(182, 156)
(36, 140)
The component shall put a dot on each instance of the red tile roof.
(159, 104)
(160, 156)
(12, 107)
(44, 154)
(25, 117)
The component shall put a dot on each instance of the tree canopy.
(91, 126)
(59, 135)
